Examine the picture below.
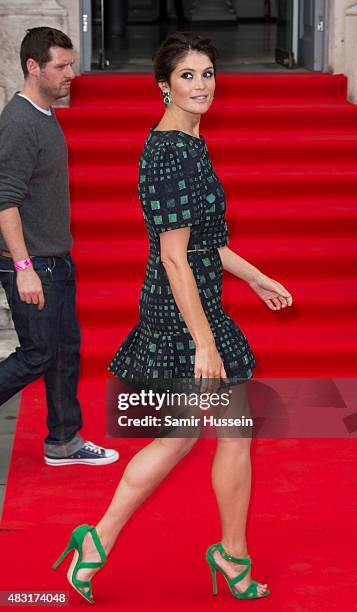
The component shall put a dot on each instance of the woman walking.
(183, 330)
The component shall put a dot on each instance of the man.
(36, 268)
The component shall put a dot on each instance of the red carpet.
(296, 556)
(301, 528)
(284, 146)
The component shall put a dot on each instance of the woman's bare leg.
(142, 475)
(231, 481)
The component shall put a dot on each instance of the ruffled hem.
(153, 355)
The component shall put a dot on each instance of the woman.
(184, 331)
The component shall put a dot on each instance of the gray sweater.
(34, 176)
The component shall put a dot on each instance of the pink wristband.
(22, 265)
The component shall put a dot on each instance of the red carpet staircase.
(284, 146)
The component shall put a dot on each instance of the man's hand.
(30, 287)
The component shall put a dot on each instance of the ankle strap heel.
(251, 592)
(83, 587)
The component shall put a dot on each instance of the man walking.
(36, 268)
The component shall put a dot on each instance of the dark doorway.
(252, 35)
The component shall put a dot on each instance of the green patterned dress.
(179, 188)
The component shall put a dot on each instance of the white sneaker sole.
(59, 462)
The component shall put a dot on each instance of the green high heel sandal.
(75, 543)
(251, 592)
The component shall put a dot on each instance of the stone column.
(351, 52)
(73, 30)
(341, 45)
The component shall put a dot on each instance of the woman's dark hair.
(37, 43)
(175, 47)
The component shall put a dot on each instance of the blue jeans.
(49, 346)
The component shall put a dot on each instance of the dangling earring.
(167, 98)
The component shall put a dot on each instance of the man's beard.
(52, 93)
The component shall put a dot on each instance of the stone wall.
(73, 27)
(16, 17)
(336, 41)
(351, 52)
(342, 43)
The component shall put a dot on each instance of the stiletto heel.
(70, 546)
(76, 544)
(251, 592)
(214, 580)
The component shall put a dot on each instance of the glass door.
(284, 53)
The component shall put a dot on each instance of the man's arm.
(28, 282)
(11, 229)
(18, 158)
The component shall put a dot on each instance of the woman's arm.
(183, 285)
(238, 266)
(274, 294)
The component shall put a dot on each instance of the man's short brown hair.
(37, 44)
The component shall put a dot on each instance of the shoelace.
(92, 447)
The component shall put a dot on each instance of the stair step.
(245, 224)
(253, 119)
(313, 300)
(300, 258)
(281, 150)
(102, 89)
(290, 349)
(113, 183)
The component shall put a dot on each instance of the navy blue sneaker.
(88, 454)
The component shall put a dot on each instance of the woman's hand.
(209, 365)
(271, 292)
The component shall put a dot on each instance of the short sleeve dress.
(179, 188)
